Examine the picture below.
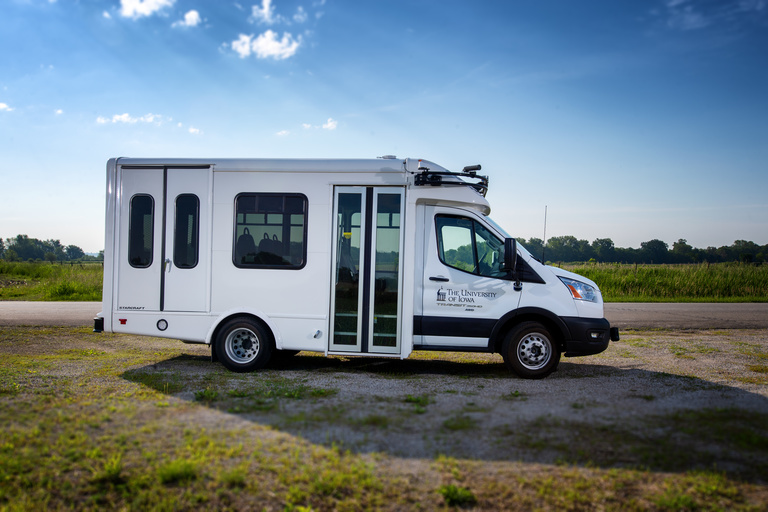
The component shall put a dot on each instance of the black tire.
(531, 351)
(243, 345)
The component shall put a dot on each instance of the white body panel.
(133, 279)
(187, 289)
(455, 293)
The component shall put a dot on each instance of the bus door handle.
(439, 279)
(168, 265)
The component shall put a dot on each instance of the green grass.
(372, 420)
(515, 395)
(419, 403)
(206, 395)
(457, 496)
(50, 281)
(460, 422)
(177, 471)
(167, 383)
(722, 282)
(111, 472)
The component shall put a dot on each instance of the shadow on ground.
(469, 406)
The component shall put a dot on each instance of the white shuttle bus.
(259, 258)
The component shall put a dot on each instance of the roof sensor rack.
(435, 178)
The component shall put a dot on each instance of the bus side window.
(270, 231)
(141, 231)
(186, 231)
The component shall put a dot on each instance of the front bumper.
(588, 336)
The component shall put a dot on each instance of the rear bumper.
(98, 324)
(588, 336)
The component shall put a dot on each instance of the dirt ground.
(647, 400)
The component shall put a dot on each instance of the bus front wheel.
(530, 351)
(243, 345)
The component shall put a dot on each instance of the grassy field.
(723, 282)
(54, 282)
(95, 422)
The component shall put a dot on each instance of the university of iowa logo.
(441, 295)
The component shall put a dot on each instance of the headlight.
(579, 290)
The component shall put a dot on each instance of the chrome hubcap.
(534, 351)
(242, 345)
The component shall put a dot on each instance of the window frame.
(132, 235)
(473, 240)
(305, 228)
(196, 240)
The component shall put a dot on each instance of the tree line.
(23, 248)
(556, 249)
(603, 250)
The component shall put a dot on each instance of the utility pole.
(544, 242)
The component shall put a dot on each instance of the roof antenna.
(471, 170)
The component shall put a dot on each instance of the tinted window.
(467, 245)
(270, 230)
(140, 231)
(186, 231)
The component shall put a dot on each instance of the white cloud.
(194, 131)
(265, 13)
(191, 19)
(300, 16)
(267, 45)
(129, 119)
(282, 133)
(58, 112)
(331, 124)
(5, 108)
(688, 15)
(686, 18)
(106, 15)
(139, 8)
(243, 45)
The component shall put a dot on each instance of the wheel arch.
(256, 316)
(551, 321)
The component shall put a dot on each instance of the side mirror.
(510, 261)
(510, 248)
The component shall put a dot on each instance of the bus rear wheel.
(530, 351)
(243, 345)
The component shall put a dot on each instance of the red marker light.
(123, 321)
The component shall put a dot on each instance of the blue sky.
(630, 120)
